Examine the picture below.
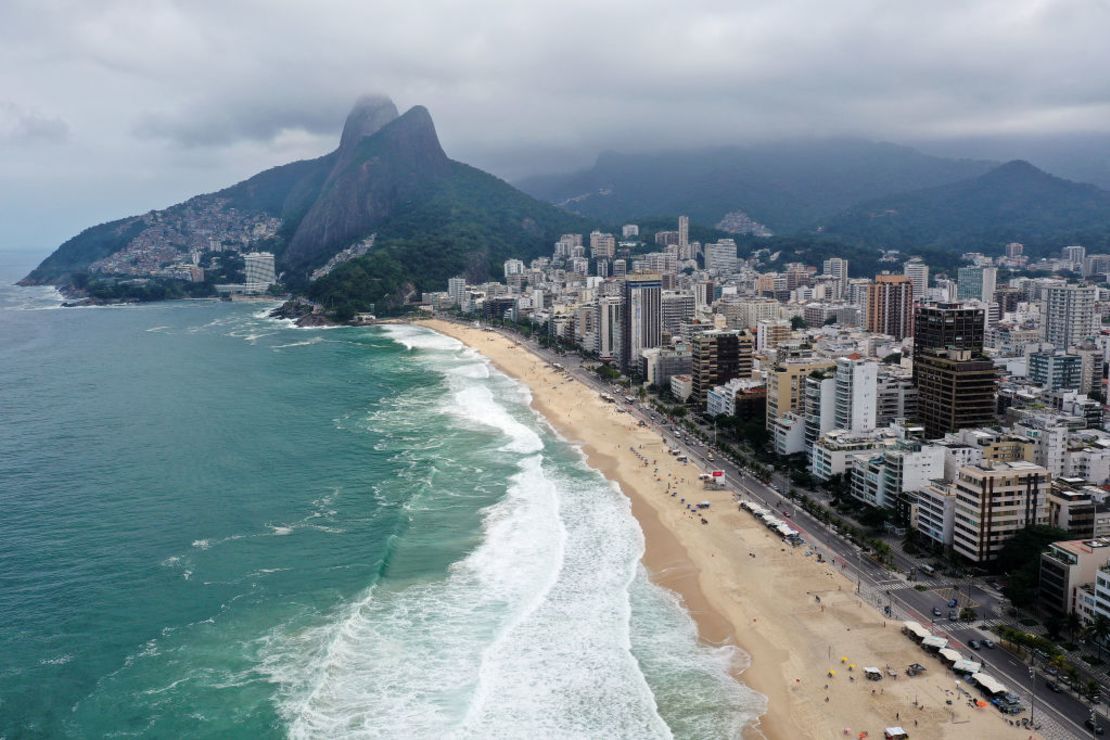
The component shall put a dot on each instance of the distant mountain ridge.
(433, 217)
(1012, 202)
(786, 186)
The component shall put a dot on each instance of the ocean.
(215, 524)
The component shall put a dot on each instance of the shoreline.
(743, 586)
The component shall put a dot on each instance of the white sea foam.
(60, 660)
(404, 663)
(415, 337)
(474, 404)
(280, 531)
(304, 343)
(548, 628)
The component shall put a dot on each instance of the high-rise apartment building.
(786, 383)
(678, 306)
(837, 268)
(720, 356)
(1069, 314)
(629, 231)
(643, 317)
(602, 245)
(890, 306)
(721, 256)
(1056, 371)
(856, 393)
(948, 326)
(259, 268)
(607, 326)
(456, 288)
(683, 232)
(976, 283)
(994, 501)
(956, 384)
(918, 273)
(1075, 255)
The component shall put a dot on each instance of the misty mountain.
(432, 217)
(784, 186)
(1013, 202)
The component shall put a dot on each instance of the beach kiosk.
(966, 667)
(914, 631)
(871, 673)
(932, 644)
(895, 733)
(990, 685)
(948, 656)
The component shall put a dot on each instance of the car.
(974, 644)
(1095, 727)
(1053, 687)
(936, 612)
(1051, 670)
(989, 644)
(953, 615)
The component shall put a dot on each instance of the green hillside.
(1014, 202)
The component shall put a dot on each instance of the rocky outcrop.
(372, 178)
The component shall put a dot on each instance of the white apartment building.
(608, 326)
(856, 393)
(1069, 314)
(880, 479)
(721, 399)
(259, 268)
(933, 513)
(456, 289)
(720, 257)
(834, 451)
(918, 273)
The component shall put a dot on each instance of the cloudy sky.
(113, 107)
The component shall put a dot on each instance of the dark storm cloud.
(164, 96)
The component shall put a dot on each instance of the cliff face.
(429, 218)
(375, 175)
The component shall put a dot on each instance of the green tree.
(797, 323)
(1098, 630)
(1020, 558)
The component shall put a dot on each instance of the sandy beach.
(745, 586)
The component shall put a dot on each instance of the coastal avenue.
(878, 585)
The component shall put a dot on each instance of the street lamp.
(1032, 692)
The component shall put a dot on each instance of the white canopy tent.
(989, 684)
(936, 643)
(916, 630)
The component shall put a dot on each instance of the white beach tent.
(949, 655)
(915, 630)
(966, 666)
(989, 684)
(934, 643)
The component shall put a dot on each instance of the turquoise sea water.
(214, 524)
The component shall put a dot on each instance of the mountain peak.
(369, 114)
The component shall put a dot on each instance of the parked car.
(1093, 726)
(953, 615)
(936, 612)
(1054, 687)
(974, 644)
(1051, 670)
(989, 644)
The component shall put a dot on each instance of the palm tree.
(1073, 624)
(1099, 630)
